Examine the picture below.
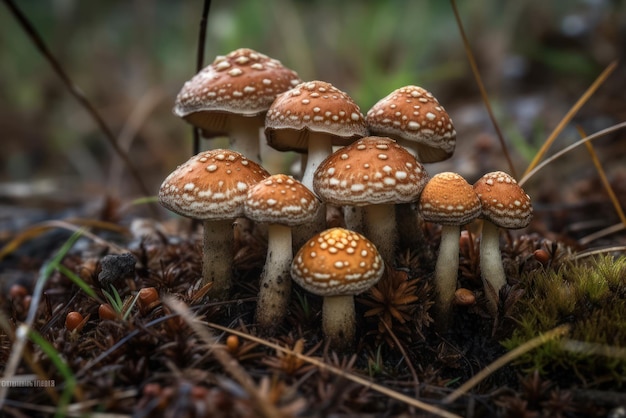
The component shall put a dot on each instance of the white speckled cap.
(315, 106)
(337, 262)
(371, 170)
(413, 116)
(503, 201)
(280, 199)
(448, 199)
(244, 82)
(212, 185)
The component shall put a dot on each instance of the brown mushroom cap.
(212, 185)
(448, 199)
(372, 170)
(244, 82)
(280, 199)
(504, 202)
(413, 114)
(337, 262)
(315, 106)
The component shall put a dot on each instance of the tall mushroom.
(504, 205)
(311, 118)
(281, 202)
(337, 264)
(448, 200)
(414, 118)
(375, 173)
(212, 186)
(231, 96)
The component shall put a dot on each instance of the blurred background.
(130, 58)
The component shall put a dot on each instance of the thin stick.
(569, 115)
(200, 64)
(79, 96)
(352, 377)
(481, 87)
(507, 358)
(595, 251)
(564, 151)
(603, 178)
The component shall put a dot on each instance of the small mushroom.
(281, 202)
(312, 117)
(448, 200)
(504, 205)
(337, 264)
(212, 187)
(231, 96)
(375, 173)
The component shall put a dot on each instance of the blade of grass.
(37, 40)
(71, 225)
(505, 359)
(70, 381)
(23, 330)
(79, 282)
(564, 151)
(603, 178)
(596, 251)
(481, 87)
(569, 115)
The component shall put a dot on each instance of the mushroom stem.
(339, 320)
(446, 272)
(244, 135)
(381, 229)
(217, 260)
(491, 267)
(320, 147)
(275, 283)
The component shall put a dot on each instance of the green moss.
(589, 296)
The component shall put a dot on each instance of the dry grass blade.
(603, 178)
(73, 225)
(505, 359)
(221, 354)
(481, 87)
(596, 349)
(32, 33)
(569, 115)
(597, 251)
(431, 409)
(565, 150)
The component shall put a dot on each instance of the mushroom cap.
(280, 199)
(448, 199)
(370, 171)
(413, 115)
(244, 82)
(503, 201)
(315, 106)
(337, 262)
(212, 185)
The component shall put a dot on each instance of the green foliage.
(590, 297)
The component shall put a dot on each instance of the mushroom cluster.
(375, 170)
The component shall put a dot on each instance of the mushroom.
(504, 205)
(212, 186)
(281, 202)
(412, 116)
(311, 118)
(375, 173)
(231, 96)
(337, 264)
(448, 199)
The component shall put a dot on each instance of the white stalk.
(339, 320)
(244, 136)
(275, 283)
(381, 229)
(320, 147)
(491, 264)
(217, 260)
(446, 272)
